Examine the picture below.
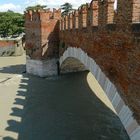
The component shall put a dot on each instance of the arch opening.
(121, 109)
(72, 64)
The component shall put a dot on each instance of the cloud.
(34, 2)
(50, 4)
(56, 3)
(10, 6)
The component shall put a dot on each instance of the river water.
(55, 108)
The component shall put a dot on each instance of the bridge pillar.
(42, 41)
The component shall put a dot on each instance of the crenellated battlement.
(98, 34)
(110, 35)
(42, 33)
(42, 14)
(101, 13)
(56, 13)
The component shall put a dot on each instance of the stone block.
(42, 68)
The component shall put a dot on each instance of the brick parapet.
(113, 41)
(42, 33)
(38, 15)
(101, 13)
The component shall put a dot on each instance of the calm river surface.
(56, 108)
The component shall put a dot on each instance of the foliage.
(36, 7)
(67, 8)
(11, 23)
(82, 5)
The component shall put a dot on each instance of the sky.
(20, 5)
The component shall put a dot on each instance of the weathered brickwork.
(42, 41)
(112, 39)
(42, 33)
(6, 43)
(11, 46)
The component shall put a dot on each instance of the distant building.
(11, 46)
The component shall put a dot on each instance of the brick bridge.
(98, 38)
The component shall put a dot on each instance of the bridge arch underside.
(75, 59)
(71, 64)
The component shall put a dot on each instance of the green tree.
(36, 7)
(11, 23)
(67, 8)
(82, 5)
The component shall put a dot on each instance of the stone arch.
(122, 110)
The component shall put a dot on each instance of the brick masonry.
(11, 47)
(42, 41)
(42, 33)
(109, 38)
(123, 111)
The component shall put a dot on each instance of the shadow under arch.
(71, 64)
(121, 109)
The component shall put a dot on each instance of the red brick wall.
(112, 40)
(6, 43)
(42, 33)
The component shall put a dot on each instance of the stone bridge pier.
(98, 38)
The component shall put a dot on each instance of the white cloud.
(10, 6)
(34, 2)
(50, 4)
(56, 3)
